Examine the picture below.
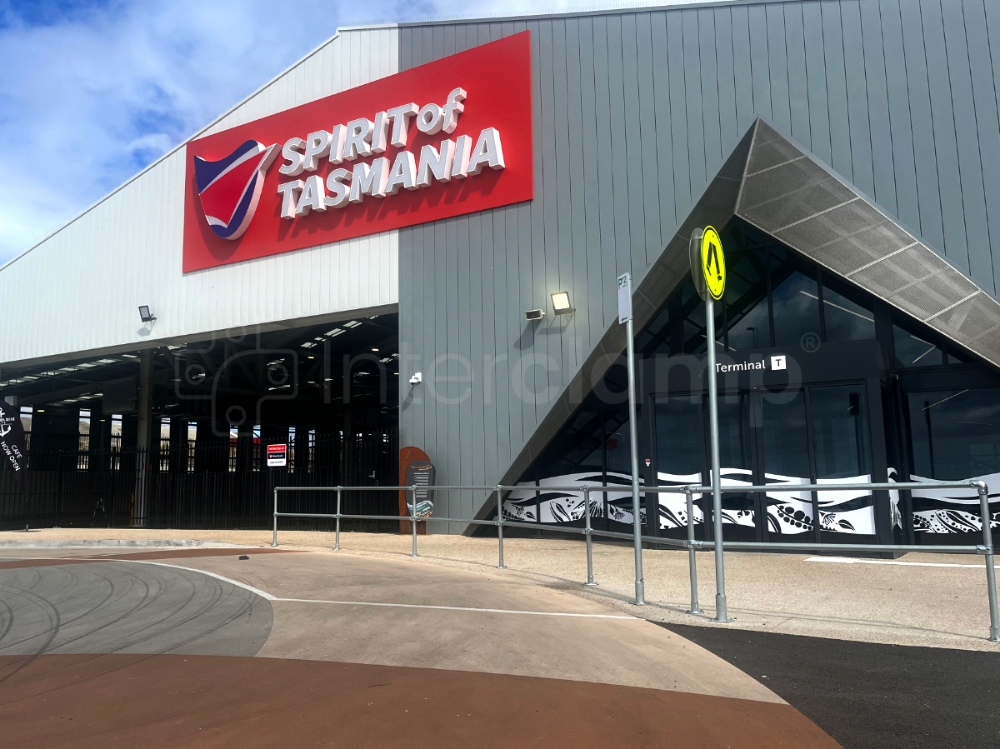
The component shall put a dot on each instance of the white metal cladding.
(78, 290)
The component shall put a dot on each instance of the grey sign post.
(625, 316)
(706, 256)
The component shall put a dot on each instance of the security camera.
(417, 378)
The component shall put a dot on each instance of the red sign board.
(445, 139)
(277, 455)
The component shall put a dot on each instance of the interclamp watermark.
(237, 379)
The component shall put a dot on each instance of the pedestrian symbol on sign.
(713, 263)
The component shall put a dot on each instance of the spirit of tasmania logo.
(449, 138)
(229, 189)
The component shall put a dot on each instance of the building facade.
(847, 150)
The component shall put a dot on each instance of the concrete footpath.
(919, 599)
(257, 647)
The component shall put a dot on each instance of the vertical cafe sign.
(12, 443)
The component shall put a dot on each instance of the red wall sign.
(448, 138)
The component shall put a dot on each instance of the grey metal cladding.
(863, 87)
(715, 206)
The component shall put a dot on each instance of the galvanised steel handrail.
(986, 549)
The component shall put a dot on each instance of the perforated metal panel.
(790, 193)
(846, 238)
(769, 149)
(795, 198)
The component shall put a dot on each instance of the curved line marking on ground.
(268, 597)
(461, 608)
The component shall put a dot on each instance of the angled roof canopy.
(774, 185)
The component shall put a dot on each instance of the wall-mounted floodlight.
(417, 378)
(534, 314)
(560, 303)
(144, 313)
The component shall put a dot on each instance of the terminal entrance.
(819, 434)
(867, 394)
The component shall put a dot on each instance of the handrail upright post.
(413, 520)
(274, 541)
(336, 545)
(991, 578)
(590, 539)
(692, 554)
(500, 564)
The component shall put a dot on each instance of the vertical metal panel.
(862, 174)
(632, 250)
(131, 244)
(759, 62)
(967, 135)
(731, 129)
(745, 109)
(678, 113)
(693, 101)
(945, 144)
(928, 190)
(777, 64)
(836, 87)
(984, 58)
(574, 249)
(878, 105)
(709, 93)
(798, 82)
(621, 165)
(901, 133)
(593, 300)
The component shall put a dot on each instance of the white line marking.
(256, 591)
(459, 608)
(849, 560)
(267, 596)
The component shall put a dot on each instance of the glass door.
(787, 460)
(679, 435)
(682, 457)
(817, 435)
(842, 456)
(738, 468)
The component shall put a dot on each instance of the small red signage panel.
(448, 138)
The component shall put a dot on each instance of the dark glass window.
(578, 448)
(786, 444)
(655, 339)
(955, 433)
(794, 299)
(845, 317)
(840, 434)
(746, 300)
(914, 350)
(679, 439)
(617, 443)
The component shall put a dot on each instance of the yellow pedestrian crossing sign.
(713, 263)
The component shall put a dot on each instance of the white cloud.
(90, 95)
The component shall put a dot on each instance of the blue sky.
(91, 91)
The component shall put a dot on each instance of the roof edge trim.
(595, 10)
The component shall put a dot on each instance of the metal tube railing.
(716, 545)
(692, 555)
(589, 535)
